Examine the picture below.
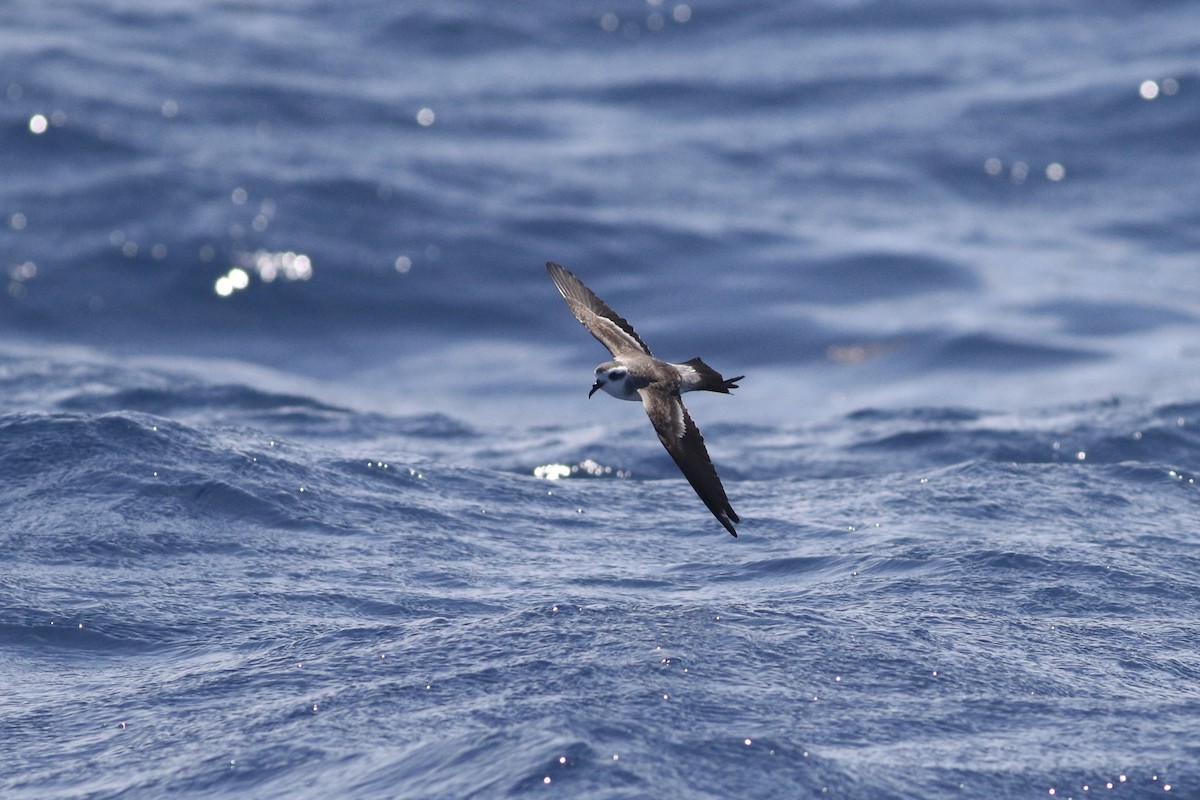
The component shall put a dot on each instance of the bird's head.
(611, 377)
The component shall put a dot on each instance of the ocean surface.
(301, 494)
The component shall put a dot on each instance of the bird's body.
(635, 374)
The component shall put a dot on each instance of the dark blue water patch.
(953, 436)
(1169, 232)
(429, 426)
(794, 571)
(1128, 440)
(278, 768)
(1062, 129)
(466, 31)
(619, 583)
(1090, 584)
(902, 568)
(991, 353)
(886, 18)
(1110, 319)
(1023, 562)
(137, 474)
(932, 415)
(871, 276)
(45, 635)
(71, 223)
(461, 763)
(277, 414)
(703, 98)
(953, 447)
(1057, 121)
(360, 226)
(1166, 445)
(1183, 414)
(237, 99)
(1165, 125)
(38, 162)
(734, 345)
(575, 766)
(33, 445)
(187, 395)
(173, 309)
(580, 240)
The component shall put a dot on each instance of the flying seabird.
(635, 374)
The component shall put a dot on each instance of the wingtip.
(563, 278)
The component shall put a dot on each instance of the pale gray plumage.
(635, 374)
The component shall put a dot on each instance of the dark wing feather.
(683, 441)
(609, 328)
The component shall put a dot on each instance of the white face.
(612, 380)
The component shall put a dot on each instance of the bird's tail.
(704, 378)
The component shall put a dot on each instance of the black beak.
(594, 388)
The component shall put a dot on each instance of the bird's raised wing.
(683, 441)
(606, 325)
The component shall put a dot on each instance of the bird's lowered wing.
(683, 441)
(606, 325)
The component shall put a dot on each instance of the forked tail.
(704, 378)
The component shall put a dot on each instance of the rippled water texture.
(301, 494)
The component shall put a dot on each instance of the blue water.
(280, 362)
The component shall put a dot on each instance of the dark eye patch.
(617, 374)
